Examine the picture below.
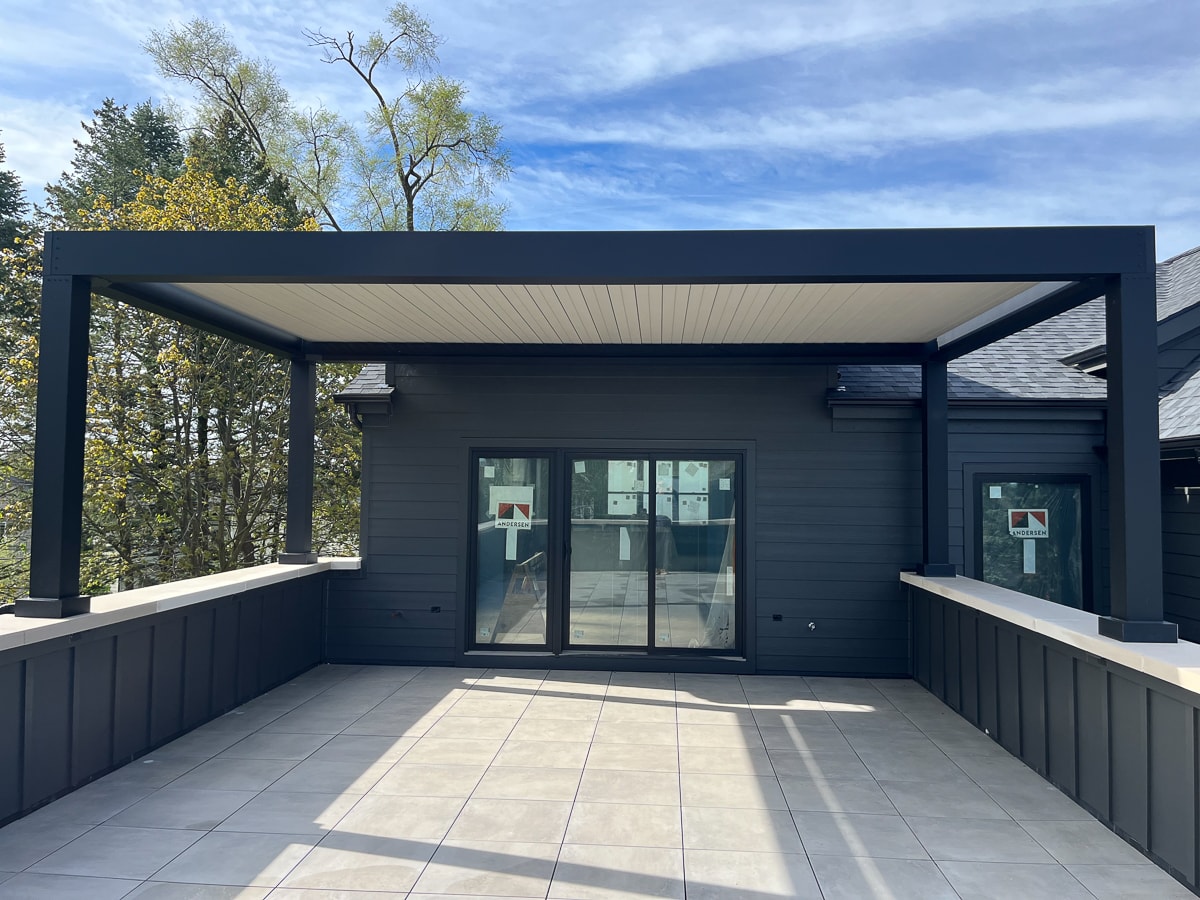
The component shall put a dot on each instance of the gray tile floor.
(372, 783)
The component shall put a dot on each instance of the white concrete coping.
(1177, 664)
(108, 609)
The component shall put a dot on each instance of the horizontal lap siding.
(1181, 547)
(1025, 443)
(836, 510)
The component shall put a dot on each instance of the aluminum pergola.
(920, 296)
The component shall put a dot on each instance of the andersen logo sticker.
(1029, 523)
(513, 515)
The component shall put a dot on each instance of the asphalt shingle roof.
(1028, 365)
(369, 384)
(1179, 406)
(1024, 366)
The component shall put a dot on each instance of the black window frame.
(1086, 533)
(558, 564)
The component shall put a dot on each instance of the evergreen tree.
(225, 150)
(12, 205)
(120, 149)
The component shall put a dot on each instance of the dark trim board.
(1120, 743)
(77, 707)
(607, 257)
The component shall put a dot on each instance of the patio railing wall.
(1120, 742)
(76, 706)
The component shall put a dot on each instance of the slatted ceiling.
(612, 314)
(705, 295)
(370, 307)
(528, 318)
(555, 324)
(748, 305)
(675, 305)
(742, 324)
(516, 311)
(437, 322)
(600, 307)
(839, 297)
(525, 313)
(576, 311)
(467, 309)
(795, 312)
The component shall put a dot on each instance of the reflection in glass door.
(609, 539)
(695, 563)
(511, 550)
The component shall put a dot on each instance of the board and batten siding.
(832, 515)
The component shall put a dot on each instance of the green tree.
(186, 450)
(13, 207)
(121, 146)
(186, 454)
(20, 266)
(225, 151)
(418, 159)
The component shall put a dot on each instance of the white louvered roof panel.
(613, 313)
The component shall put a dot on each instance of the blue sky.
(698, 114)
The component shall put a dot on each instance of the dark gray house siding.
(1005, 440)
(1181, 546)
(1026, 443)
(832, 512)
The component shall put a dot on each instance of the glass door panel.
(511, 550)
(1031, 538)
(607, 604)
(695, 553)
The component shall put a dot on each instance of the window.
(1033, 535)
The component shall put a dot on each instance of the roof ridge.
(1179, 256)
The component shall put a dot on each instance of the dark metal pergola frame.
(145, 269)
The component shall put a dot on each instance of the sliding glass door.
(695, 571)
(625, 552)
(607, 583)
(512, 545)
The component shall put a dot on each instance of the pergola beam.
(642, 257)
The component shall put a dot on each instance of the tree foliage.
(12, 205)
(121, 147)
(186, 451)
(416, 159)
(225, 151)
(20, 285)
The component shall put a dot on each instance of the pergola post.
(302, 412)
(1135, 507)
(56, 538)
(935, 471)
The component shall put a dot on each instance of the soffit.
(613, 313)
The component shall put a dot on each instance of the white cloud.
(30, 127)
(535, 50)
(1101, 99)
(1037, 192)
